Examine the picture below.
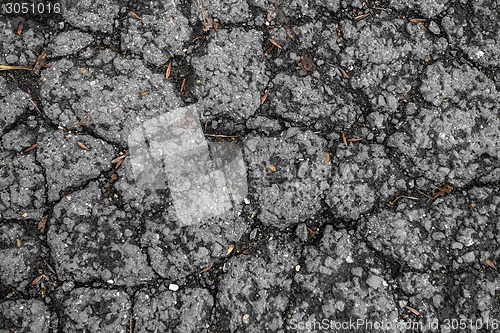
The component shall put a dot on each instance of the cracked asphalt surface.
(370, 133)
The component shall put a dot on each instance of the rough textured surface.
(341, 159)
(160, 310)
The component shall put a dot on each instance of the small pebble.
(245, 319)
(173, 287)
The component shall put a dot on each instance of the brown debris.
(263, 98)
(81, 145)
(343, 72)
(36, 107)
(215, 25)
(19, 31)
(37, 279)
(362, 16)
(134, 15)
(344, 139)
(412, 310)
(119, 158)
(42, 224)
(169, 70)
(40, 62)
(401, 197)
(206, 269)
(118, 164)
(442, 191)
(30, 148)
(84, 121)
(183, 86)
(275, 43)
(230, 249)
(327, 157)
(417, 20)
(272, 168)
(490, 263)
(306, 64)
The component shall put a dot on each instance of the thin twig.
(223, 136)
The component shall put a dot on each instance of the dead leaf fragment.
(343, 72)
(83, 70)
(490, 263)
(230, 249)
(275, 43)
(306, 64)
(20, 28)
(362, 16)
(183, 86)
(18, 242)
(327, 157)
(134, 15)
(119, 158)
(40, 62)
(36, 280)
(272, 168)
(412, 310)
(42, 224)
(215, 25)
(204, 270)
(30, 148)
(263, 98)
(169, 70)
(83, 146)
(344, 139)
(417, 20)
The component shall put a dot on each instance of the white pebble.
(173, 287)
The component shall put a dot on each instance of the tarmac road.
(250, 166)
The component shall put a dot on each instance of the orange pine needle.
(275, 43)
(490, 263)
(412, 310)
(263, 98)
(30, 148)
(344, 138)
(134, 15)
(169, 70)
(344, 73)
(20, 28)
(183, 86)
(82, 146)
